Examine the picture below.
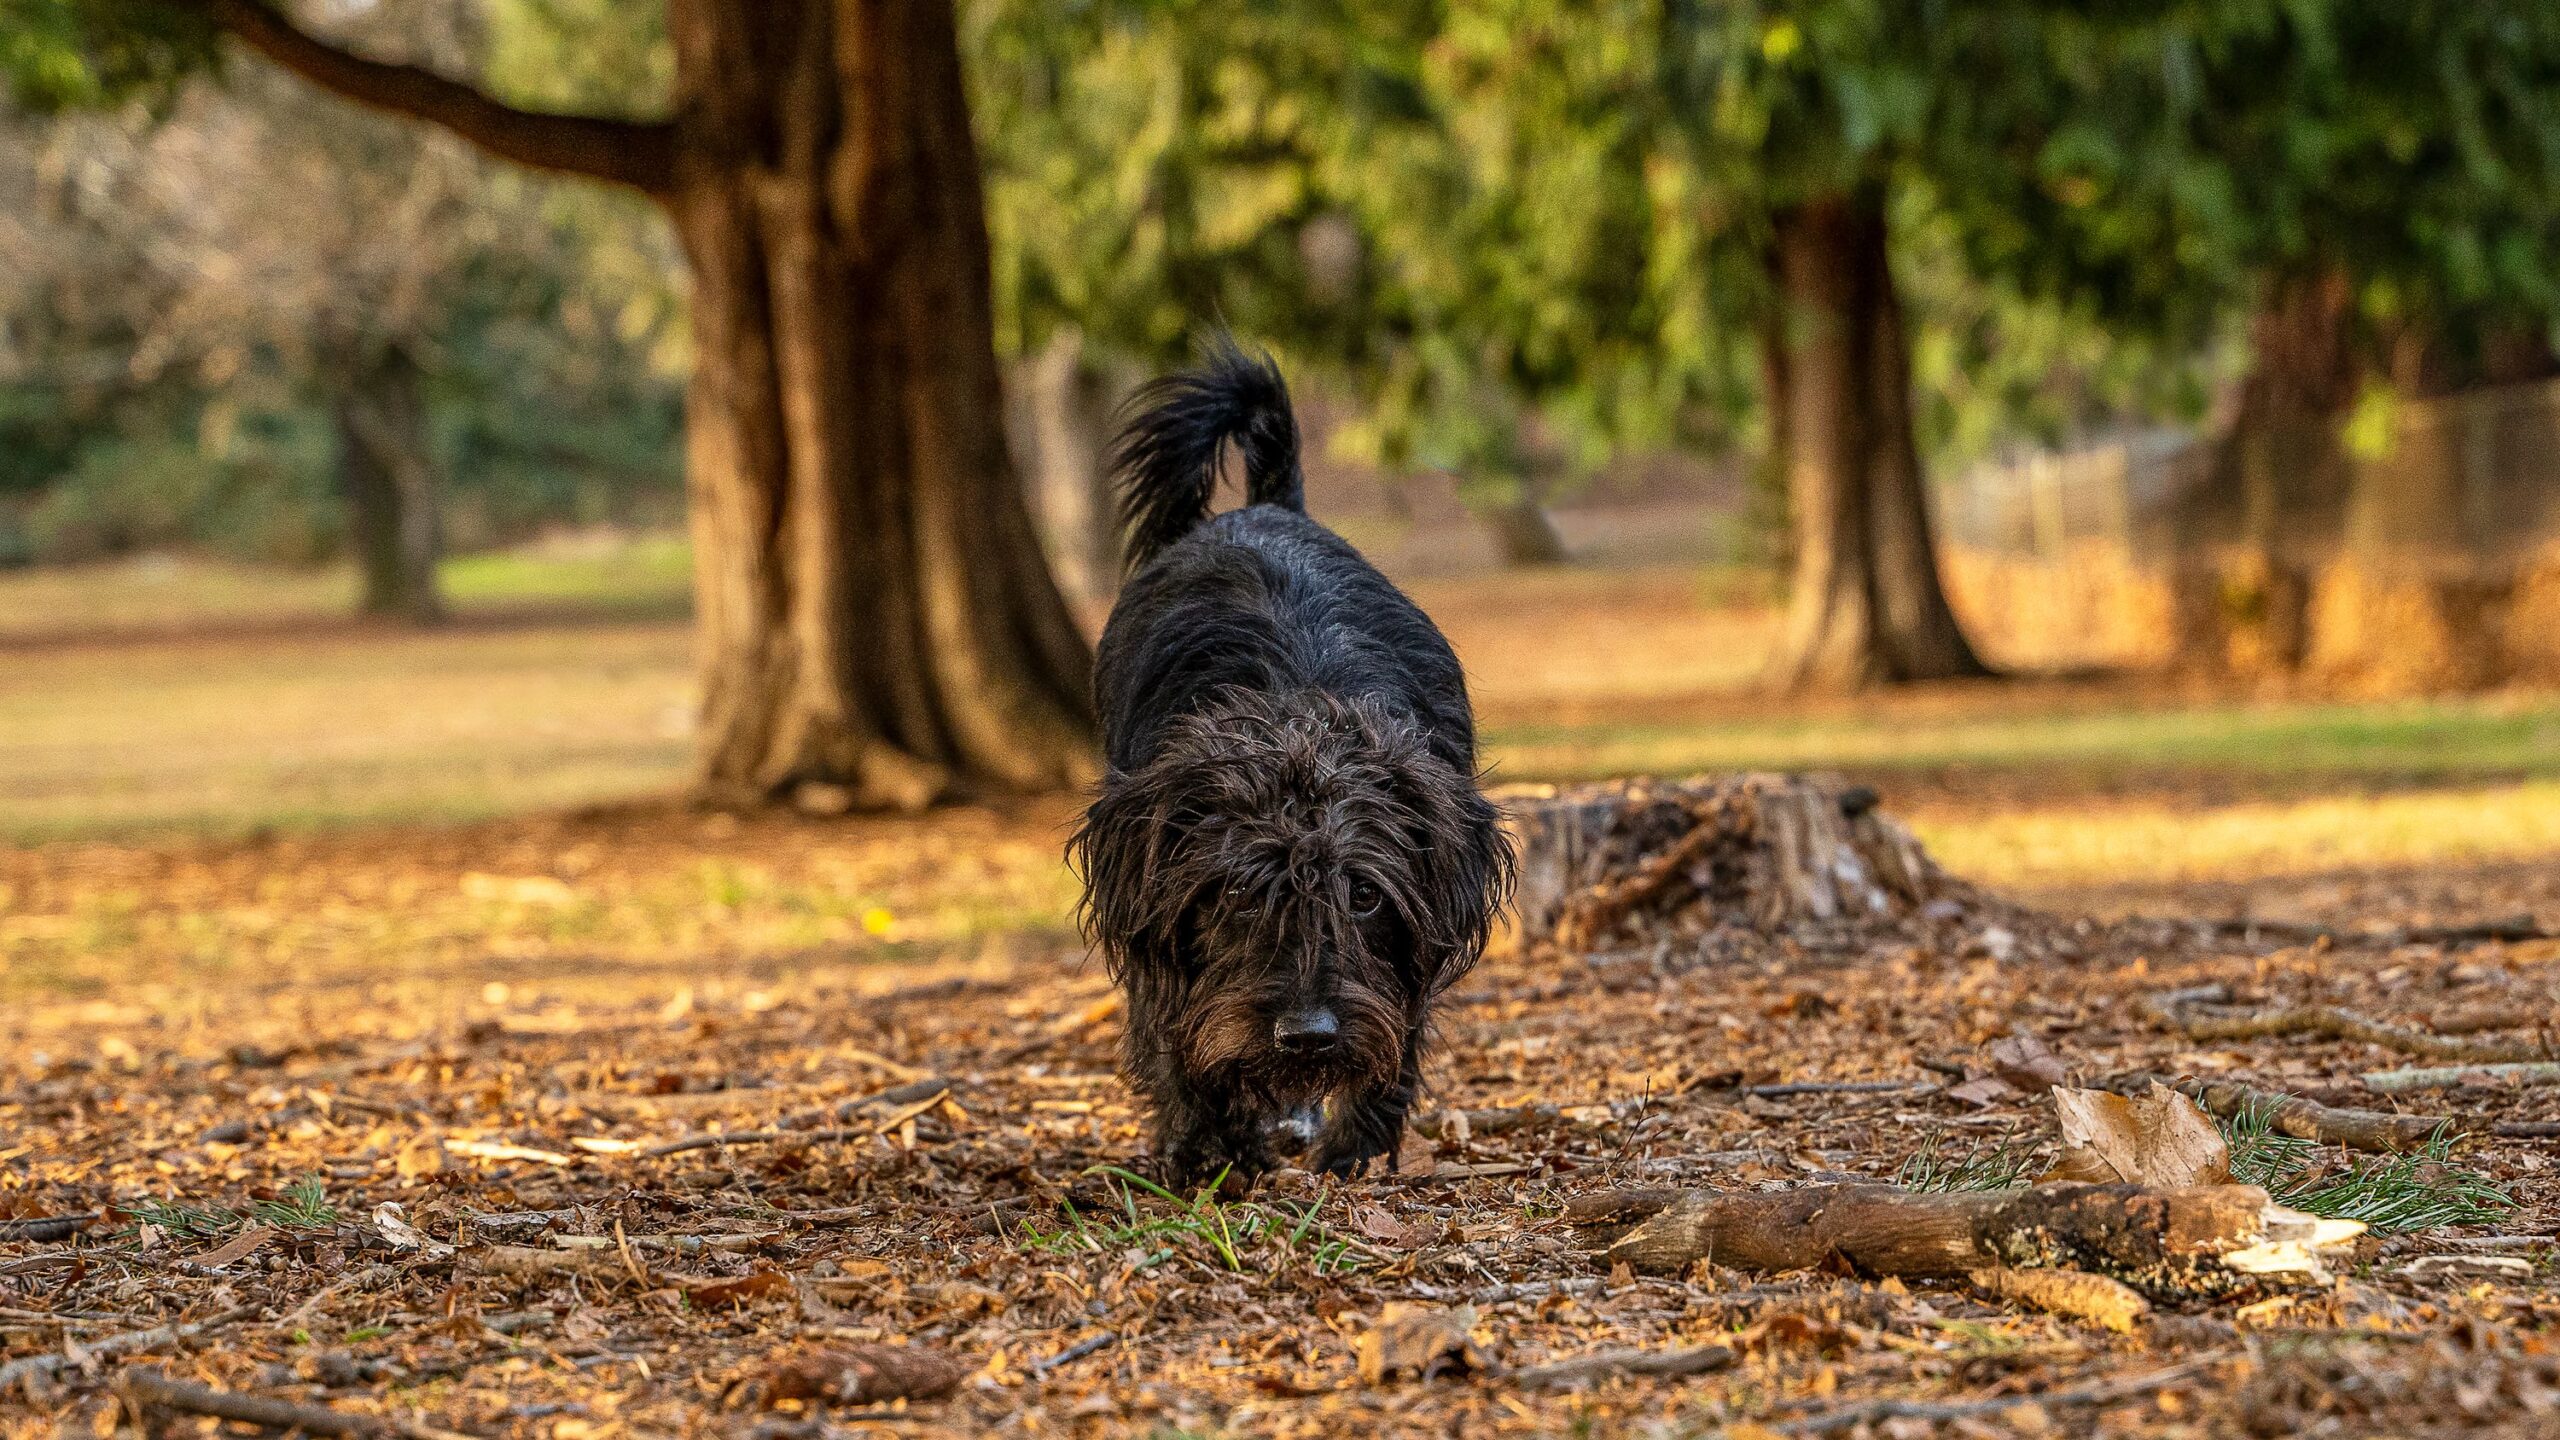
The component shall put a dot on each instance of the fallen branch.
(1091, 1345)
(47, 1227)
(151, 1389)
(2379, 1132)
(24, 1371)
(2515, 929)
(2182, 1242)
(1600, 1365)
(1868, 1412)
(2331, 1022)
(2393, 1082)
(2075, 1293)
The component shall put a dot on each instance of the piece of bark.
(2076, 1293)
(2165, 1242)
(1600, 1365)
(1773, 850)
(2379, 1132)
(2331, 1022)
(2392, 1082)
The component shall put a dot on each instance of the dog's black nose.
(1306, 1030)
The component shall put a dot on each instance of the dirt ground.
(647, 1122)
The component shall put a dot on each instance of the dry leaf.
(422, 1156)
(736, 1290)
(241, 1246)
(857, 1375)
(1374, 1222)
(2026, 1062)
(2159, 1138)
(1984, 1091)
(1420, 1341)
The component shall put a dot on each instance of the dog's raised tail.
(1166, 457)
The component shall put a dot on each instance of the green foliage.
(1234, 1236)
(1991, 1167)
(303, 1206)
(71, 54)
(2422, 1190)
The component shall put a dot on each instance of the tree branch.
(637, 153)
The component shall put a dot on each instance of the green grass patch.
(2001, 1166)
(1236, 1236)
(304, 1205)
(2422, 1190)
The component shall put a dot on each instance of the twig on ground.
(2333, 1023)
(151, 1389)
(896, 1118)
(48, 1227)
(2526, 1129)
(2513, 929)
(19, 1372)
(1867, 1412)
(2381, 1132)
(1090, 1345)
(1834, 1087)
(1601, 1364)
(2393, 1082)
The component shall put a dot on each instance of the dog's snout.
(1306, 1030)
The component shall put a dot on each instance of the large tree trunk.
(877, 625)
(1524, 532)
(388, 479)
(1868, 606)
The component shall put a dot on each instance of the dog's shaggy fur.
(1290, 857)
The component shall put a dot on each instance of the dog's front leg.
(1369, 1122)
(1202, 1131)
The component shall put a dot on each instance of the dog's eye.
(1365, 898)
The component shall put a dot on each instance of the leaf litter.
(404, 1177)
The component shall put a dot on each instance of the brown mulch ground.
(432, 1203)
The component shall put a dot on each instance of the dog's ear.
(1464, 865)
(1124, 849)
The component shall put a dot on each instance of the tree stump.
(1638, 858)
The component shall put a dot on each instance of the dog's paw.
(1354, 1163)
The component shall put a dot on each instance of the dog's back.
(1261, 598)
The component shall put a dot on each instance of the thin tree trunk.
(878, 626)
(389, 482)
(1525, 533)
(1867, 605)
(1064, 405)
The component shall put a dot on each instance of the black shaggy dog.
(1289, 858)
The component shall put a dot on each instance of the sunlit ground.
(223, 703)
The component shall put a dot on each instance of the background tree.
(877, 627)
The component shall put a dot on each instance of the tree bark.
(1063, 406)
(1524, 532)
(878, 628)
(389, 482)
(1868, 606)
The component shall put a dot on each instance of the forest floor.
(330, 1078)
(646, 1122)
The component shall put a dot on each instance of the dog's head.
(1289, 882)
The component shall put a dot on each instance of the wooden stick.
(1602, 1364)
(150, 1389)
(2514, 929)
(47, 1227)
(2380, 1132)
(23, 1371)
(895, 1119)
(2393, 1082)
(2334, 1023)
(2164, 1242)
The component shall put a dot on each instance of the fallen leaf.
(241, 1246)
(1374, 1222)
(422, 1156)
(2026, 1062)
(1983, 1091)
(2159, 1138)
(1421, 1341)
(857, 1375)
(395, 1227)
(736, 1290)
